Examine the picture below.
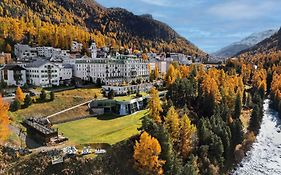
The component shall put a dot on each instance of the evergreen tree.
(52, 96)
(255, 120)
(27, 101)
(238, 107)
(191, 167)
(43, 96)
(15, 105)
(237, 132)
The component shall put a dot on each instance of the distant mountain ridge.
(270, 44)
(128, 30)
(244, 44)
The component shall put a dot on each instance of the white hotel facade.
(114, 70)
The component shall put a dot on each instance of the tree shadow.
(30, 143)
(109, 116)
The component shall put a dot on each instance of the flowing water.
(264, 158)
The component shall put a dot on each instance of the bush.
(111, 94)
(43, 95)
(15, 105)
(27, 101)
(52, 96)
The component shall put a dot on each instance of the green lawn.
(102, 130)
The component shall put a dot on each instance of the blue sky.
(209, 24)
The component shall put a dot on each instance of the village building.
(113, 70)
(76, 47)
(13, 75)
(5, 58)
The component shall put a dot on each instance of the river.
(264, 158)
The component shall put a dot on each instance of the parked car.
(11, 94)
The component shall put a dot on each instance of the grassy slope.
(102, 130)
(63, 100)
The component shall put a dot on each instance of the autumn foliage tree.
(154, 105)
(20, 95)
(146, 155)
(171, 75)
(172, 123)
(4, 120)
(187, 136)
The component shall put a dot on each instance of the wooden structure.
(40, 130)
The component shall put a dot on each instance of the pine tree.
(15, 105)
(4, 120)
(238, 107)
(154, 105)
(52, 96)
(146, 155)
(191, 167)
(43, 95)
(27, 101)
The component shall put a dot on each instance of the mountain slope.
(270, 44)
(245, 43)
(110, 26)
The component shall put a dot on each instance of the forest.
(57, 23)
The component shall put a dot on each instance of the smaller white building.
(65, 73)
(13, 75)
(42, 73)
(76, 47)
(123, 90)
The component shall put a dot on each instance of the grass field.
(102, 130)
(63, 100)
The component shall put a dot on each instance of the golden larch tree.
(172, 123)
(156, 72)
(187, 136)
(154, 105)
(171, 75)
(19, 95)
(146, 155)
(4, 120)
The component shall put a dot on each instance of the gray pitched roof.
(13, 67)
(37, 63)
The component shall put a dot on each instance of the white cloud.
(163, 3)
(243, 9)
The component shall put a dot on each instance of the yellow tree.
(171, 75)
(4, 120)
(19, 95)
(146, 155)
(156, 72)
(172, 123)
(187, 136)
(154, 105)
